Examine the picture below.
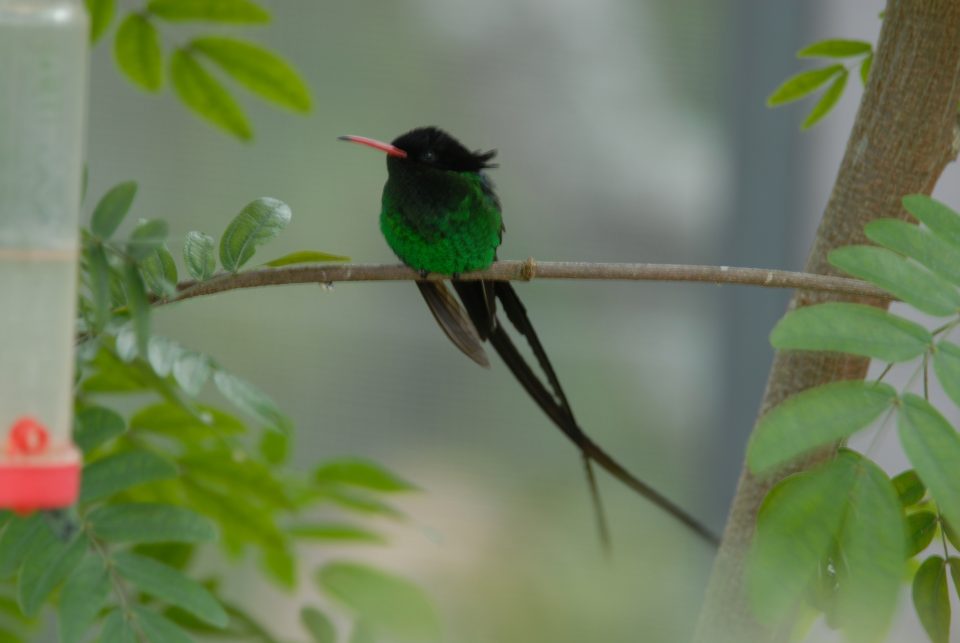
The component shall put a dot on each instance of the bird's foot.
(455, 276)
(424, 273)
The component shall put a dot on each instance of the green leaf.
(126, 348)
(139, 305)
(249, 479)
(118, 296)
(166, 583)
(305, 256)
(827, 101)
(117, 629)
(845, 510)
(101, 14)
(922, 246)
(318, 625)
(816, 417)
(173, 420)
(112, 208)
(96, 425)
(157, 627)
(16, 539)
(851, 328)
(262, 72)
(191, 370)
(954, 564)
(177, 555)
(198, 255)
(951, 534)
(121, 471)
(937, 216)
(907, 281)
(360, 473)
(251, 400)
(280, 565)
(872, 545)
(99, 269)
(240, 521)
(933, 447)
(228, 11)
(835, 48)
(81, 599)
(797, 526)
(909, 488)
(259, 221)
(360, 502)
(393, 604)
(931, 600)
(162, 353)
(206, 96)
(946, 364)
(125, 344)
(147, 238)
(48, 563)
(138, 53)
(804, 83)
(274, 446)
(116, 380)
(160, 272)
(865, 69)
(921, 527)
(150, 523)
(334, 531)
(110, 372)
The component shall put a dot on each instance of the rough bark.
(903, 137)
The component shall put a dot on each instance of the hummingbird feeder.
(43, 78)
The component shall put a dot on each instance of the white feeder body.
(43, 79)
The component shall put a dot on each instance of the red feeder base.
(37, 475)
(28, 487)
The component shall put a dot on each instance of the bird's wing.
(453, 320)
(479, 298)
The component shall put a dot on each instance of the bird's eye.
(429, 156)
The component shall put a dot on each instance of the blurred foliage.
(143, 38)
(840, 538)
(177, 475)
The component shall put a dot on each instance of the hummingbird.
(440, 215)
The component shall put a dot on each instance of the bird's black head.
(433, 147)
(429, 147)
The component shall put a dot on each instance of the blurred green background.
(627, 131)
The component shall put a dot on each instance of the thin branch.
(529, 270)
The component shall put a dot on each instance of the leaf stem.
(950, 325)
(883, 374)
(119, 587)
(943, 537)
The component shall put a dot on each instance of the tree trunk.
(903, 137)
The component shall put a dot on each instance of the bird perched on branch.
(440, 215)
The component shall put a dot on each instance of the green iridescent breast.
(442, 224)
